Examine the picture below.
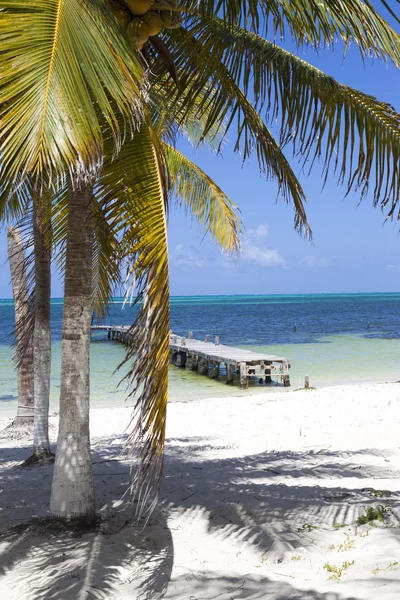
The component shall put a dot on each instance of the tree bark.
(72, 494)
(42, 332)
(16, 257)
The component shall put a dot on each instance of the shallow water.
(341, 338)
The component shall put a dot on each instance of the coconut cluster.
(142, 18)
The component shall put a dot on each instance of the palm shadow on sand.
(252, 499)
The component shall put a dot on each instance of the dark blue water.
(257, 320)
(341, 338)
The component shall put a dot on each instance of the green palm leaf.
(132, 191)
(227, 107)
(319, 23)
(204, 199)
(63, 63)
(355, 134)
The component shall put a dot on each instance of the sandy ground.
(252, 489)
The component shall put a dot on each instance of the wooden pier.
(119, 333)
(207, 357)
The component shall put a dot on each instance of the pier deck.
(207, 357)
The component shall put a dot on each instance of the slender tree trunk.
(42, 332)
(72, 494)
(23, 321)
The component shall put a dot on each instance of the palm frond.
(319, 23)
(356, 132)
(204, 199)
(132, 191)
(173, 116)
(229, 108)
(63, 62)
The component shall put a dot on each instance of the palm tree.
(62, 91)
(41, 226)
(66, 79)
(127, 203)
(239, 79)
(24, 346)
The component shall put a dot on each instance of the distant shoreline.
(285, 295)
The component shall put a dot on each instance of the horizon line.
(250, 295)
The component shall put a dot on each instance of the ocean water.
(339, 338)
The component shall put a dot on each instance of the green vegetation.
(305, 389)
(388, 568)
(348, 544)
(69, 106)
(378, 493)
(306, 527)
(374, 513)
(336, 571)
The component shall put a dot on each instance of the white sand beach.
(252, 489)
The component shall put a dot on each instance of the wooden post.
(217, 340)
(268, 378)
(215, 371)
(204, 367)
(108, 333)
(207, 338)
(286, 381)
(229, 373)
(195, 363)
(306, 381)
(113, 334)
(244, 383)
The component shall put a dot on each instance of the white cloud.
(256, 253)
(393, 268)
(188, 260)
(258, 233)
(264, 257)
(311, 262)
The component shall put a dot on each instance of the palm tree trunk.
(42, 332)
(23, 322)
(72, 494)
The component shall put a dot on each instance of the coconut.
(138, 32)
(122, 17)
(153, 20)
(139, 7)
(171, 19)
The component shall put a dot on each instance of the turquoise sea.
(340, 338)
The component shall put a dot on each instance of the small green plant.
(296, 557)
(348, 544)
(336, 571)
(306, 527)
(388, 568)
(374, 513)
(378, 493)
(339, 525)
(365, 534)
(304, 389)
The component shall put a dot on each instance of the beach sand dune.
(259, 500)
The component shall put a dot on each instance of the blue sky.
(353, 250)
